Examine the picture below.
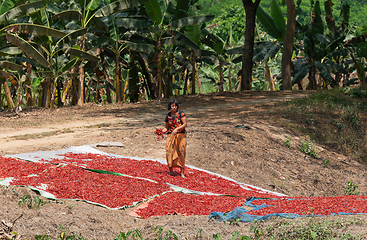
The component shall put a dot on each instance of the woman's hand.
(164, 130)
(174, 132)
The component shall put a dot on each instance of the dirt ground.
(256, 155)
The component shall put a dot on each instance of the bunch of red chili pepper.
(71, 182)
(195, 180)
(159, 132)
(11, 167)
(189, 204)
(324, 206)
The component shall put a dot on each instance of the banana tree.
(323, 50)
(9, 71)
(120, 26)
(167, 17)
(274, 25)
(224, 53)
(119, 22)
(9, 11)
(81, 15)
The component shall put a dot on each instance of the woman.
(176, 140)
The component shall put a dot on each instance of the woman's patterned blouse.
(175, 121)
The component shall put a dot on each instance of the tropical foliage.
(56, 53)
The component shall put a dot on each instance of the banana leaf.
(22, 10)
(325, 72)
(273, 51)
(11, 50)
(118, 6)
(300, 74)
(7, 5)
(170, 11)
(40, 74)
(350, 32)
(93, 5)
(154, 11)
(329, 16)
(68, 15)
(335, 67)
(268, 23)
(182, 8)
(277, 15)
(35, 30)
(132, 23)
(10, 65)
(113, 29)
(185, 41)
(345, 16)
(28, 60)
(343, 52)
(142, 47)
(183, 22)
(170, 41)
(81, 54)
(73, 35)
(193, 31)
(316, 22)
(27, 48)
(69, 75)
(68, 65)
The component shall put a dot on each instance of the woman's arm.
(166, 128)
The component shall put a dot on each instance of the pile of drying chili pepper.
(324, 206)
(195, 179)
(189, 204)
(11, 167)
(71, 182)
(159, 132)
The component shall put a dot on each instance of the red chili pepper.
(159, 132)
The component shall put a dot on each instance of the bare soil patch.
(254, 154)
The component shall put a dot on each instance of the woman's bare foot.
(183, 172)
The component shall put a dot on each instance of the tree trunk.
(198, 79)
(186, 73)
(312, 77)
(159, 69)
(118, 78)
(360, 73)
(250, 9)
(193, 74)
(230, 78)
(1, 96)
(288, 45)
(28, 84)
(106, 76)
(148, 77)
(45, 90)
(269, 76)
(221, 78)
(80, 93)
(8, 95)
(133, 80)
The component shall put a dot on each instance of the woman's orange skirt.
(176, 150)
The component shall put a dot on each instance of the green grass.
(311, 229)
(333, 118)
(275, 229)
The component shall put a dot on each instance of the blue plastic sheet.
(242, 214)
